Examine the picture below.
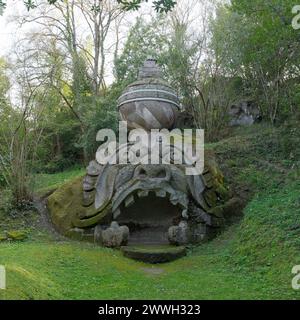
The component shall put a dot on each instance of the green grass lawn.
(46, 182)
(252, 259)
(83, 271)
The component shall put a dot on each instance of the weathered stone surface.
(89, 183)
(244, 113)
(179, 235)
(150, 70)
(208, 180)
(211, 198)
(98, 234)
(124, 174)
(132, 187)
(65, 208)
(64, 204)
(88, 198)
(94, 169)
(199, 233)
(115, 236)
(149, 103)
(154, 254)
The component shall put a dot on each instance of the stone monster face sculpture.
(158, 203)
(123, 204)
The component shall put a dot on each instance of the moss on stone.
(64, 204)
(16, 235)
(217, 211)
(66, 209)
(218, 181)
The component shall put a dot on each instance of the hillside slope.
(252, 259)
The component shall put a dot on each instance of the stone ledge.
(154, 254)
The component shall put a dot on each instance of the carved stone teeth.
(116, 213)
(129, 201)
(161, 193)
(182, 205)
(143, 193)
(174, 202)
(173, 196)
(184, 213)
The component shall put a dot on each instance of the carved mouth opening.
(149, 219)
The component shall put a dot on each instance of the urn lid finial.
(150, 69)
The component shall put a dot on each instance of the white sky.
(7, 30)
(10, 33)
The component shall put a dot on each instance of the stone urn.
(149, 103)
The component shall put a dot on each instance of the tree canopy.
(159, 5)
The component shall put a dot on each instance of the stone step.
(154, 253)
(149, 236)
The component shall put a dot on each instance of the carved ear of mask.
(197, 187)
(105, 186)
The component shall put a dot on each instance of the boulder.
(115, 236)
(244, 113)
(179, 235)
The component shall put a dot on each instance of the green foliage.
(4, 81)
(29, 4)
(2, 6)
(100, 113)
(255, 41)
(265, 161)
(274, 217)
(151, 39)
(144, 40)
(45, 182)
(178, 48)
(15, 143)
(5, 111)
(159, 5)
(6, 202)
